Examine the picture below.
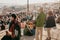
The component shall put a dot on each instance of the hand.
(7, 33)
(13, 36)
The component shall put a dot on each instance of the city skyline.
(23, 2)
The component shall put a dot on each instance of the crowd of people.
(30, 27)
(17, 22)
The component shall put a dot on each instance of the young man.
(39, 24)
(14, 29)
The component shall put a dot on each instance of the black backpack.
(17, 28)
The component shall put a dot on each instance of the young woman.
(50, 23)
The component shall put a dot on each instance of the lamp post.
(27, 6)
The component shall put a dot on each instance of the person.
(32, 28)
(14, 30)
(39, 24)
(50, 23)
(29, 30)
(2, 26)
(58, 20)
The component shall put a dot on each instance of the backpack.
(17, 29)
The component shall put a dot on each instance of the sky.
(22, 2)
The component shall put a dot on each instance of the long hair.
(50, 13)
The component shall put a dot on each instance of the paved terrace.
(55, 33)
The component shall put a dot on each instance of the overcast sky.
(22, 2)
